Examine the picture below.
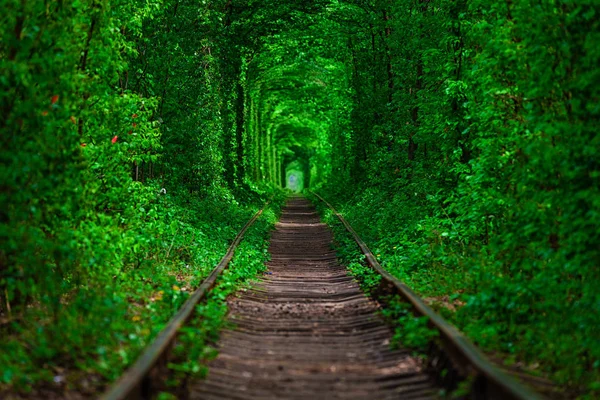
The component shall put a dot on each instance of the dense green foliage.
(459, 138)
(471, 167)
(116, 202)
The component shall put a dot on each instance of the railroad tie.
(306, 330)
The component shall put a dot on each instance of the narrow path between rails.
(306, 331)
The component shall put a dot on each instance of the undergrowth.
(100, 327)
(410, 331)
(196, 342)
(498, 314)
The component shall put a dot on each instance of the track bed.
(306, 331)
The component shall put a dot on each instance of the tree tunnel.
(438, 124)
(293, 94)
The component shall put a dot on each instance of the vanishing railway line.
(307, 331)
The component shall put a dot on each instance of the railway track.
(307, 331)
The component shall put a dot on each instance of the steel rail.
(489, 382)
(136, 382)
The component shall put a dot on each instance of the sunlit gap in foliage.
(295, 176)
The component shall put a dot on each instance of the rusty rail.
(137, 382)
(488, 382)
